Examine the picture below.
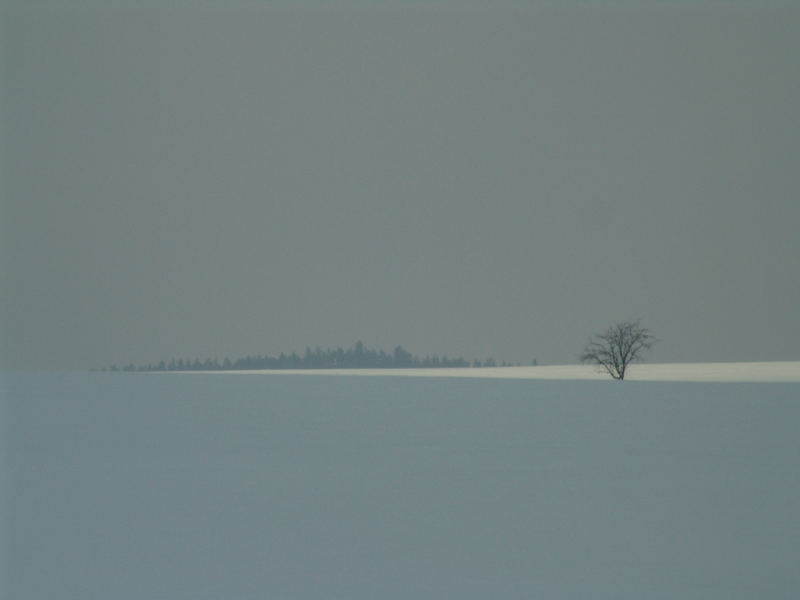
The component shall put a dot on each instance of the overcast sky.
(487, 181)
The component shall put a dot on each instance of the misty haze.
(354, 255)
(492, 181)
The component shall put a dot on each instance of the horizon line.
(723, 372)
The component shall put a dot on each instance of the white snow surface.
(128, 486)
(786, 371)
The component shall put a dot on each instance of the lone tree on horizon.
(620, 345)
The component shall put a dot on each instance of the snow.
(128, 486)
(788, 371)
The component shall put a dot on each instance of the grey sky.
(482, 181)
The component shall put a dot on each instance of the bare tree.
(620, 345)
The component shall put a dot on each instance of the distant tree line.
(357, 357)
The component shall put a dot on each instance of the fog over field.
(211, 179)
(197, 183)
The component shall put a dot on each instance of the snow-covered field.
(130, 486)
(721, 372)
